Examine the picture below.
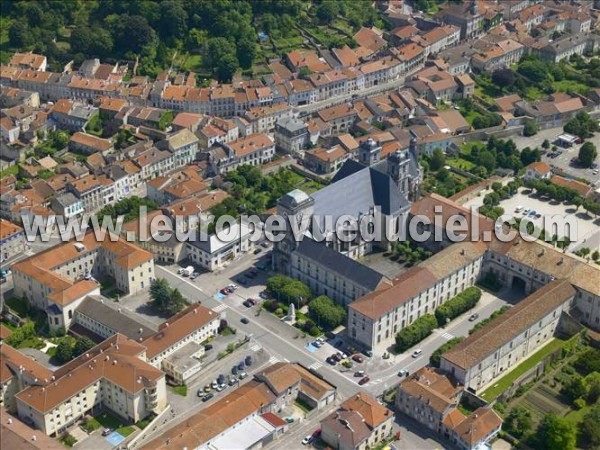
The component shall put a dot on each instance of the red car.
(364, 380)
(224, 291)
(336, 357)
(316, 434)
(357, 358)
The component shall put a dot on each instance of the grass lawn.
(180, 390)
(460, 163)
(12, 170)
(106, 420)
(310, 186)
(504, 382)
(565, 85)
(465, 149)
(145, 422)
(192, 63)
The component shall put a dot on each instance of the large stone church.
(323, 260)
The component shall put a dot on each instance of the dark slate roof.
(340, 263)
(358, 191)
(100, 309)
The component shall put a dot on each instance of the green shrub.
(579, 403)
(435, 357)
(457, 305)
(314, 331)
(416, 332)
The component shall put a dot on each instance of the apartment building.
(58, 279)
(196, 323)
(183, 144)
(496, 56)
(113, 375)
(359, 423)
(511, 338)
(29, 60)
(291, 135)
(254, 149)
(212, 253)
(375, 319)
(262, 119)
(12, 240)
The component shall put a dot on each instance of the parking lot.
(586, 226)
(562, 162)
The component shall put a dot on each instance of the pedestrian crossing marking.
(315, 366)
(220, 308)
(447, 336)
(273, 360)
(255, 347)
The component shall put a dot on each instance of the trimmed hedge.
(415, 332)
(436, 356)
(457, 305)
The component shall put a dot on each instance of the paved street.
(282, 342)
(366, 92)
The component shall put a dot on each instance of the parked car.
(336, 357)
(242, 375)
(221, 379)
(232, 381)
(241, 365)
(244, 320)
(264, 295)
(249, 360)
(214, 385)
(317, 433)
(247, 304)
(357, 358)
(257, 251)
(207, 388)
(364, 380)
(417, 353)
(359, 373)
(207, 397)
(532, 213)
(473, 317)
(331, 361)
(307, 440)
(234, 370)
(194, 276)
(403, 373)
(208, 347)
(220, 388)
(201, 392)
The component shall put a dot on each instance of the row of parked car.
(220, 384)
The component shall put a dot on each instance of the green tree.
(503, 77)
(327, 11)
(324, 310)
(530, 128)
(589, 428)
(160, 293)
(587, 154)
(546, 144)
(518, 422)
(438, 160)
(592, 384)
(556, 433)
(226, 68)
(20, 35)
(82, 345)
(246, 52)
(574, 388)
(64, 351)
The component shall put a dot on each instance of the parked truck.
(188, 271)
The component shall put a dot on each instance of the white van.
(518, 209)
